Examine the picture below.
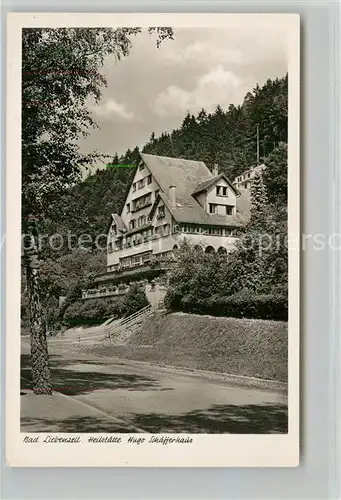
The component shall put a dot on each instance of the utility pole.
(257, 144)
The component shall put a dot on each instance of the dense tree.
(276, 175)
(60, 73)
(259, 201)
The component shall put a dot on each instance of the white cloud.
(202, 53)
(218, 86)
(110, 107)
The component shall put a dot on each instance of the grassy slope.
(249, 347)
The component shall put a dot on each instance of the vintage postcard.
(152, 240)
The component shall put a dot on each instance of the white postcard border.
(217, 450)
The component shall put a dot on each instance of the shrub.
(96, 311)
(92, 311)
(172, 300)
(134, 300)
(242, 305)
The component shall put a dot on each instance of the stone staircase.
(119, 332)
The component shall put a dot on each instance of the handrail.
(108, 321)
(127, 321)
(127, 324)
(135, 315)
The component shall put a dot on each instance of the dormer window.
(161, 212)
(221, 190)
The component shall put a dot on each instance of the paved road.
(157, 400)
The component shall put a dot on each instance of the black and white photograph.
(154, 240)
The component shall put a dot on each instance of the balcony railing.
(95, 293)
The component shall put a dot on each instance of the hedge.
(242, 305)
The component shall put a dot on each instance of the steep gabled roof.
(205, 185)
(185, 175)
(119, 222)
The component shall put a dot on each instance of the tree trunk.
(41, 376)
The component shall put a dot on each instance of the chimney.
(215, 171)
(172, 196)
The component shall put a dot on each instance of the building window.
(110, 248)
(213, 208)
(161, 212)
(166, 229)
(141, 202)
(137, 240)
(146, 257)
(221, 190)
(128, 207)
(141, 184)
(132, 224)
(141, 166)
(134, 186)
(209, 249)
(141, 220)
(229, 210)
(149, 179)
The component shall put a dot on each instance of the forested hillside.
(228, 138)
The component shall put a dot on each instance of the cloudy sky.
(153, 89)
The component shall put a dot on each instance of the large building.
(243, 181)
(170, 200)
